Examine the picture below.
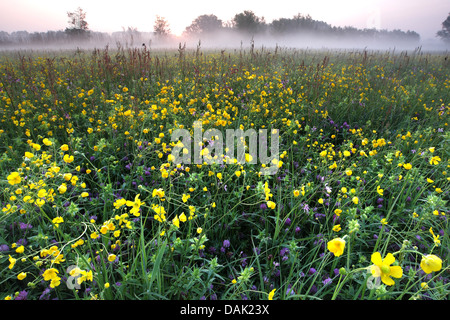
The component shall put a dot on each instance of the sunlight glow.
(113, 15)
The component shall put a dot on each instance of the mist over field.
(244, 31)
(230, 40)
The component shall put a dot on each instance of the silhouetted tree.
(4, 37)
(248, 22)
(78, 24)
(444, 34)
(298, 24)
(161, 27)
(204, 24)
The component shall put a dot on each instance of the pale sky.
(424, 17)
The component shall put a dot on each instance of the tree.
(298, 23)
(204, 24)
(161, 27)
(78, 24)
(444, 34)
(248, 22)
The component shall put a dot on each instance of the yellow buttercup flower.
(68, 159)
(271, 204)
(55, 282)
(50, 274)
(160, 213)
(336, 246)
(136, 204)
(29, 155)
(20, 249)
(383, 268)
(12, 262)
(62, 188)
(40, 202)
(380, 191)
(119, 203)
(185, 197)
(158, 193)
(407, 166)
(435, 160)
(42, 193)
(430, 263)
(22, 275)
(14, 178)
(57, 221)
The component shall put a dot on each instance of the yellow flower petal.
(396, 272)
(389, 259)
(387, 280)
(376, 259)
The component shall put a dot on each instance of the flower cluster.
(91, 188)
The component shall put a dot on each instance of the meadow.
(93, 207)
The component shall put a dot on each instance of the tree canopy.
(444, 34)
(206, 23)
(161, 27)
(77, 22)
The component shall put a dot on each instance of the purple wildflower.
(22, 295)
(327, 281)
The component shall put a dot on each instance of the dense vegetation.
(94, 208)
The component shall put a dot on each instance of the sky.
(424, 17)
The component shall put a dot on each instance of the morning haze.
(373, 24)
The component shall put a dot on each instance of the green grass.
(362, 132)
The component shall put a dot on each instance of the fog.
(237, 40)
(229, 39)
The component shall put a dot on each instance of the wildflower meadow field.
(94, 205)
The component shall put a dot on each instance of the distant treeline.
(245, 24)
(62, 37)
